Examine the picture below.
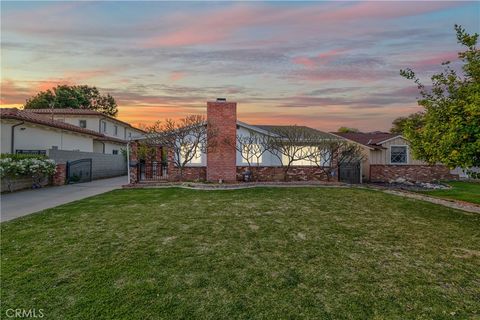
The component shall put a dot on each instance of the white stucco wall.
(36, 137)
(93, 123)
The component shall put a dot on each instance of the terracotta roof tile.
(14, 113)
(86, 112)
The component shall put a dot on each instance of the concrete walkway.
(21, 203)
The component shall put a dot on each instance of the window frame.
(407, 159)
(80, 123)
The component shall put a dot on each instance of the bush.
(12, 168)
(20, 156)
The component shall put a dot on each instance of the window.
(116, 130)
(114, 151)
(196, 159)
(398, 154)
(251, 152)
(82, 123)
(304, 151)
(104, 126)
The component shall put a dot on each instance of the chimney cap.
(221, 99)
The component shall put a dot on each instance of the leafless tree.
(329, 154)
(186, 138)
(251, 147)
(293, 143)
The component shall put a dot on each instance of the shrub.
(20, 156)
(37, 169)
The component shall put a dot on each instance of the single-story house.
(226, 163)
(388, 157)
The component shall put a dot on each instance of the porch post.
(133, 162)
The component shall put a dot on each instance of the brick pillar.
(133, 160)
(60, 175)
(221, 159)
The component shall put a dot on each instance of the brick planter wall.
(422, 173)
(189, 173)
(222, 119)
(297, 173)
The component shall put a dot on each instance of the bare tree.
(251, 147)
(187, 138)
(293, 143)
(329, 154)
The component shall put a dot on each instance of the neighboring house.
(115, 133)
(24, 131)
(388, 157)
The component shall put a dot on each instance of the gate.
(79, 171)
(152, 171)
(349, 172)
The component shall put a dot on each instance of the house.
(226, 163)
(25, 131)
(115, 133)
(388, 157)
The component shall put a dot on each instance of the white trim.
(254, 128)
(399, 136)
(390, 154)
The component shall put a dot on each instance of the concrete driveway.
(21, 203)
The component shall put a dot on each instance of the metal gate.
(152, 171)
(79, 171)
(349, 172)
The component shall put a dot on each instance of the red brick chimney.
(222, 159)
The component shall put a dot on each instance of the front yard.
(263, 253)
(461, 190)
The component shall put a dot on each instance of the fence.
(103, 165)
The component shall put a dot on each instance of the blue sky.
(322, 64)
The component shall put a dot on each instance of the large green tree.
(450, 123)
(414, 120)
(76, 97)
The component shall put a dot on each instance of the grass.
(265, 253)
(461, 190)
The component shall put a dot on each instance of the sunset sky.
(321, 64)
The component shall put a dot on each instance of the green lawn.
(265, 253)
(461, 190)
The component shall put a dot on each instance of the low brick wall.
(189, 173)
(296, 173)
(422, 173)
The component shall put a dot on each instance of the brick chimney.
(221, 160)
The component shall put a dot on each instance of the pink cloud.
(320, 59)
(176, 75)
(219, 25)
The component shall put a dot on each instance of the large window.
(302, 152)
(186, 152)
(398, 154)
(252, 152)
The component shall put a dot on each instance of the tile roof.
(86, 112)
(369, 139)
(14, 113)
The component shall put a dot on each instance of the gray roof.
(276, 129)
